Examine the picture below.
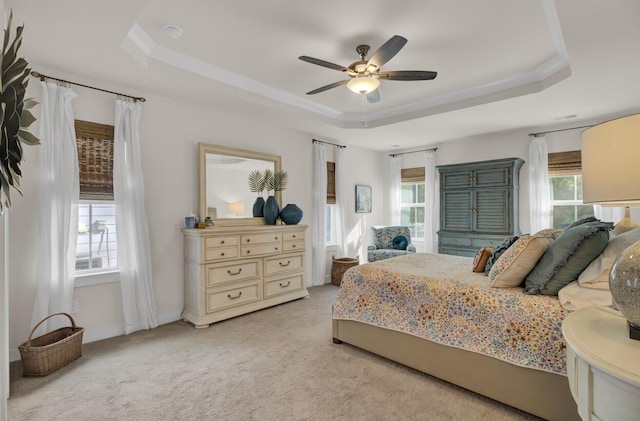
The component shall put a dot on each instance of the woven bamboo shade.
(95, 160)
(331, 183)
(565, 163)
(412, 175)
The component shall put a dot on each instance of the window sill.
(96, 278)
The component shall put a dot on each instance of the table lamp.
(610, 177)
(236, 208)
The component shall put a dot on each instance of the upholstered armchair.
(389, 241)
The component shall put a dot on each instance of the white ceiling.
(502, 64)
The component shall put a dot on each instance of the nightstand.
(603, 365)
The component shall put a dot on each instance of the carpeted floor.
(275, 364)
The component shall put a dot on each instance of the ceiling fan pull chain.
(364, 111)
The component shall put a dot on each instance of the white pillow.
(596, 275)
(574, 297)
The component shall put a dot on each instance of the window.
(330, 238)
(412, 206)
(565, 182)
(97, 237)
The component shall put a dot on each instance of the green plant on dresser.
(478, 204)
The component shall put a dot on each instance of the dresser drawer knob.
(248, 240)
(248, 251)
(293, 246)
(229, 296)
(234, 273)
(294, 236)
(221, 254)
(222, 242)
(275, 238)
(285, 286)
(285, 264)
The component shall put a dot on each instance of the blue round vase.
(291, 214)
(271, 210)
(258, 208)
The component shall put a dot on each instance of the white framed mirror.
(223, 186)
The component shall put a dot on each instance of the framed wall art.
(363, 199)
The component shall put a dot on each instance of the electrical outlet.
(75, 306)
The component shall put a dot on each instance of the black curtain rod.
(559, 130)
(43, 77)
(329, 143)
(421, 150)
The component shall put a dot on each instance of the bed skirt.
(538, 392)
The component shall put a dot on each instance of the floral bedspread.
(439, 298)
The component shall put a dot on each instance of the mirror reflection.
(224, 188)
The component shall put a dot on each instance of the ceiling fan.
(365, 75)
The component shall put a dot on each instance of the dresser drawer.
(260, 238)
(293, 236)
(283, 285)
(226, 241)
(232, 272)
(293, 245)
(260, 249)
(466, 252)
(275, 265)
(218, 253)
(454, 241)
(221, 298)
(485, 242)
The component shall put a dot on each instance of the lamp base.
(634, 331)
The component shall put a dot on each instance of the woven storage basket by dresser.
(47, 353)
(340, 266)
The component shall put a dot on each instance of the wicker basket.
(340, 266)
(47, 353)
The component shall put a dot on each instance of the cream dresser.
(235, 270)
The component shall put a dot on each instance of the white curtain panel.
(319, 204)
(609, 213)
(58, 199)
(394, 179)
(430, 202)
(539, 191)
(341, 204)
(134, 257)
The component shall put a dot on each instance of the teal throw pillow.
(583, 221)
(400, 242)
(567, 256)
(498, 250)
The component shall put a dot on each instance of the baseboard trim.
(93, 335)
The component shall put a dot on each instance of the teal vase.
(291, 214)
(258, 208)
(271, 210)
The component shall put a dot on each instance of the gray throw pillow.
(567, 256)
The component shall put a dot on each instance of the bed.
(432, 313)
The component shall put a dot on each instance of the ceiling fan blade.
(323, 63)
(374, 96)
(387, 51)
(408, 75)
(327, 87)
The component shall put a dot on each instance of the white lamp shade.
(610, 157)
(236, 208)
(363, 84)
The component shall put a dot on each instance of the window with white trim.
(412, 206)
(330, 237)
(97, 246)
(565, 183)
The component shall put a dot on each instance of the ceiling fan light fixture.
(363, 84)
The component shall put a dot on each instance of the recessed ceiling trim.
(542, 76)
